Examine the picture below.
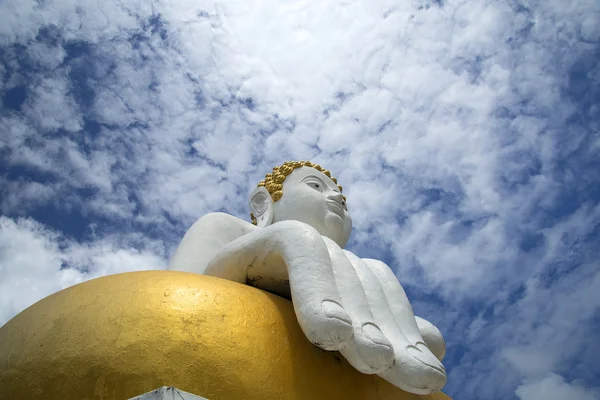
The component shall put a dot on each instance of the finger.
(414, 375)
(433, 337)
(397, 299)
(377, 302)
(369, 351)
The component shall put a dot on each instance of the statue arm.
(296, 251)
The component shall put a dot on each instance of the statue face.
(311, 197)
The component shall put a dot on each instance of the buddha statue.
(294, 247)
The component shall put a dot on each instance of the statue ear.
(261, 205)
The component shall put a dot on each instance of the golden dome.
(123, 335)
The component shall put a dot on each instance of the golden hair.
(273, 181)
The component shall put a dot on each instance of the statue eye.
(314, 185)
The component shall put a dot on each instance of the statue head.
(304, 192)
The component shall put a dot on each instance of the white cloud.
(36, 261)
(554, 387)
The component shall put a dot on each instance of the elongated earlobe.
(261, 205)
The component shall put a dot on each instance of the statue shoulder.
(221, 225)
(220, 218)
(205, 238)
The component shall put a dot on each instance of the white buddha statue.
(295, 248)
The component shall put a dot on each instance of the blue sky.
(464, 133)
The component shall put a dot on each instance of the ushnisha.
(295, 247)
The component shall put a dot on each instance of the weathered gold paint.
(122, 335)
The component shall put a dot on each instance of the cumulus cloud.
(464, 134)
(36, 261)
(553, 387)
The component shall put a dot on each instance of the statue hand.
(386, 340)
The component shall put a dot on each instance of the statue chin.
(337, 229)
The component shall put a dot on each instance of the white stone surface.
(167, 393)
(342, 302)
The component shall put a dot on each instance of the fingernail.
(425, 356)
(373, 332)
(334, 310)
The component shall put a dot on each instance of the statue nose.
(336, 196)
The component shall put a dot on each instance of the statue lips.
(336, 208)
